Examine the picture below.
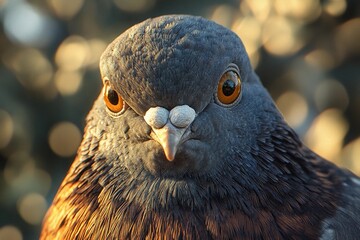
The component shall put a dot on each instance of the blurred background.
(307, 53)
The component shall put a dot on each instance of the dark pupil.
(113, 97)
(228, 87)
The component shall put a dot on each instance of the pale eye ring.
(113, 101)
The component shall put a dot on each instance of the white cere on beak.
(182, 116)
(169, 127)
(156, 117)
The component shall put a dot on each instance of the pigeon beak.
(169, 127)
(169, 137)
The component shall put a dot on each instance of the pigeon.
(184, 142)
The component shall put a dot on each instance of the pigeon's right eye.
(112, 99)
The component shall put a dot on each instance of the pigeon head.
(186, 92)
(187, 95)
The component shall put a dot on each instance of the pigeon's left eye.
(229, 88)
(113, 100)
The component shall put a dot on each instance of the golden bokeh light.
(64, 139)
(249, 30)
(68, 82)
(32, 208)
(65, 9)
(72, 54)
(350, 156)
(301, 10)
(6, 128)
(294, 108)
(97, 47)
(326, 134)
(320, 59)
(223, 15)
(32, 68)
(261, 9)
(9, 232)
(279, 36)
(335, 7)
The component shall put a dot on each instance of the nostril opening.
(148, 130)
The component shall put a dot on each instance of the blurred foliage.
(306, 52)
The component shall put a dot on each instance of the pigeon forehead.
(169, 61)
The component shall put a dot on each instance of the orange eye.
(229, 87)
(113, 100)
